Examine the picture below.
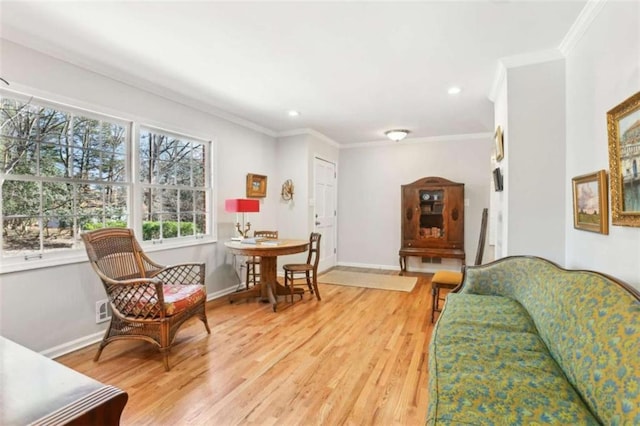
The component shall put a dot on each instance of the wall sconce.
(287, 190)
(242, 205)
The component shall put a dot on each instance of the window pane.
(151, 228)
(21, 235)
(19, 156)
(20, 198)
(169, 225)
(186, 201)
(200, 201)
(55, 160)
(57, 198)
(201, 223)
(186, 225)
(113, 168)
(116, 206)
(18, 118)
(169, 200)
(53, 126)
(166, 172)
(58, 233)
(198, 171)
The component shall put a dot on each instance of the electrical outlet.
(103, 311)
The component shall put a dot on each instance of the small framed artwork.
(256, 186)
(590, 207)
(497, 179)
(499, 144)
(623, 127)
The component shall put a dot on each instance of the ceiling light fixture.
(293, 113)
(397, 135)
(454, 90)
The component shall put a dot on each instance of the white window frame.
(63, 257)
(138, 189)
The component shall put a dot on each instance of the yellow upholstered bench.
(452, 279)
(440, 280)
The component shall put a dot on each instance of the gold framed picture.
(256, 186)
(590, 209)
(623, 127)
(499, 144)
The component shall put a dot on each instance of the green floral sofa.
(527, 342)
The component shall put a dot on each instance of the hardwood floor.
(357, 357)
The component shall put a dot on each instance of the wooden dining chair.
(452, 279)
(149, 301)
(253, 262)
(308, 271)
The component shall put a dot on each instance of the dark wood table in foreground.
(268, 288)
(39, 391)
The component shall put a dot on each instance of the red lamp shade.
(242, 205)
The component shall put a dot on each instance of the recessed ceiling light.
(454, 90)
(293, 113)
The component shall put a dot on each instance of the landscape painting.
(590, 207)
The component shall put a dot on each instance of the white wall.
(498, 212)
(536, 160)
(603, 69)
(295, 156)
(369, 196)
(44, 308)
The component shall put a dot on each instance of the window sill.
(78, 256)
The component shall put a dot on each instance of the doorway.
(325, 212)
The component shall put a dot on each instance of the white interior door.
(325, 214)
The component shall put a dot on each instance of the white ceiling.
(352, 69)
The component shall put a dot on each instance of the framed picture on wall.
(623, 127)
(499, 141)
(256, 186)
(590, 207)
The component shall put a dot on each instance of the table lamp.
(242, 205)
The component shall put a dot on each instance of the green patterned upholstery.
(528, 342)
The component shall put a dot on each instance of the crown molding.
(309, 132)
(415, 141)
(580, 26)
(575, 33)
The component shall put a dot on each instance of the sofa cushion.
(490, 367)
(590, 324)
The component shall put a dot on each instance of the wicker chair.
(308, 270)
(149, 301)
(253, 262)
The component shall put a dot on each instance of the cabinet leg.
(403, 265)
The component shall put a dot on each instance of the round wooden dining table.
(268, 288)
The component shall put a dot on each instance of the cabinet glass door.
(431, 213)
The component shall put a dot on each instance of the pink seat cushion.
(177, 298)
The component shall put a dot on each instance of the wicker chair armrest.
(137, 297)
(184, 273)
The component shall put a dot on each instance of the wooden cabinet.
(432, 219)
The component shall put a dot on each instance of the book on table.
(267, 242)
(252, 240)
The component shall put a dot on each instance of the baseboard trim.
(73, 345)
(369, 266)
(220, 293)
(426, 270)
(85, 341)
